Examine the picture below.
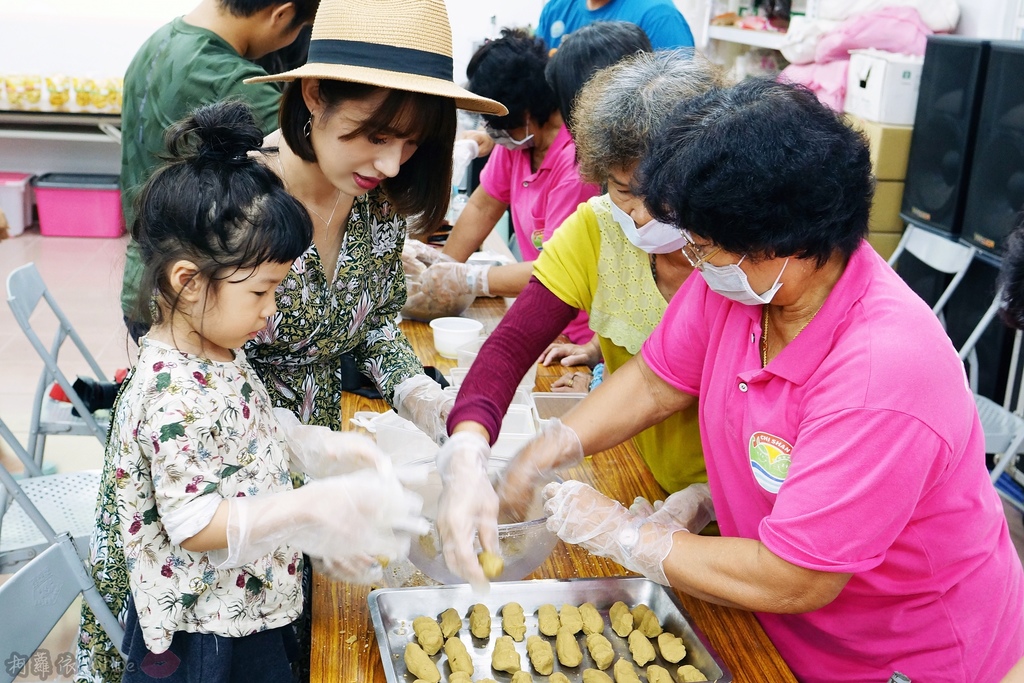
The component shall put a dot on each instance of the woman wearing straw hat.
(367, 128)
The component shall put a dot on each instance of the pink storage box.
(16, 201)
(79, 205)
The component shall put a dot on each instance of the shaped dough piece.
(547, 620)
(522, 677)
(460, 677)
(621, 618)
(624, 672)
(600, 650)
(569, 617)
(647, 621)
(569, 653)
(505, 658)
(658, 674)
(420, 665)
(641, 649)
(428, 634)
(487, 680)
(593, 622)
(513, 622)
(541, 656)
(451, 622)
(458, 656)
(558, 677)
(672, 648)
(480, 621)
(492, 564)
(688, 672)
(595, 676)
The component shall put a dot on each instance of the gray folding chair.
(25, 290)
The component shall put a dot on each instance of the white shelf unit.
(767, 39)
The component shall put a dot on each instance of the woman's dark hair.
(762, 168)
(305, 10)
(1011, 278)
(423, 185)
(290, 56)
(511, 71)
(587, 50)
(213, 204)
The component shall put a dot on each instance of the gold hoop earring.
(308, 128)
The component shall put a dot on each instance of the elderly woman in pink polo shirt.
(846, 461)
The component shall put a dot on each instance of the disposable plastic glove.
(690, 509)
(580, 515)
(557, 446)
(417, 257)
(445, 289)
(588, 354)
(468, 506)
(350, 522)
(322, 452)
(422, 401)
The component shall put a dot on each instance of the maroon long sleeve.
(534, 321)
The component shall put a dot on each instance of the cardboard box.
(889, 145)
(885, 207)
(16, 201)
(884, 242)
(79, 205)
(883, 86)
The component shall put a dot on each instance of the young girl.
(213, 532)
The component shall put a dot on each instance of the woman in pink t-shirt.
(845, 457)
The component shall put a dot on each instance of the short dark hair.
(423, 184)
(762, 168)
(585, 51)
(1011, 278)
(213, 204)
(305, 10)
(511, 71)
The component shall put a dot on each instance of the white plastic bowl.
(451, 333)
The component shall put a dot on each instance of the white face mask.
(731, 282)
(653, 237)
(502, 138)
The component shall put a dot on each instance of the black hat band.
(386, 57)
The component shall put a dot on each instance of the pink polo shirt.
(857, 450)
(540, 201)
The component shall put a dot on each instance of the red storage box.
(79, 205)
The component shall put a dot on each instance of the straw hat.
(399, 44)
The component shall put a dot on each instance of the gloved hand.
(422, 401)
(350, 522)
(417, 257)
(445, 289)
(580, 515)
(322, 452)
(690, 509)
(588, 354)
(468, 506)
(557, 446)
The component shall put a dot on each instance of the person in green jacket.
(197, 59)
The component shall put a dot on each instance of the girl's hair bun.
(222, 133)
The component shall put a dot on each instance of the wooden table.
(341, 613)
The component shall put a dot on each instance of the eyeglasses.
(501, 137)
(695, 253)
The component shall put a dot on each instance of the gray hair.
(621, 108)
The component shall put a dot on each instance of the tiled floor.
(84, 276)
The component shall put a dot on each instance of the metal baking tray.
(393, 610)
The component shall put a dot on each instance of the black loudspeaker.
(942, 144)
(995, 194)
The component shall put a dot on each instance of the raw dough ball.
(458, 656)
(600, 650)
(688, 672)
(595, 676)
(522, 677)
(420, 665)
(460, 677)
(621, 618)
(647, 621)
(658, 674)
(428, 634)
(547, 620)
(541, 656)
(641, 648)
(624, 672)
(491, 563)
(671, 646)
(558, 677)
(505, 658)
(451, 622)
(569, 617)
(592, 620)
(568, 649)
(513, 622)
(480, 621)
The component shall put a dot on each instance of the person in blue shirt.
(661, 20)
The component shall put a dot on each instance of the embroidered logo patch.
(769, 460)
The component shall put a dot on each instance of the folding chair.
(25, 289)
(937, 252)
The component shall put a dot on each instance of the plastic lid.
(87, 181)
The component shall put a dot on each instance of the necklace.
(764, 333)
(337, 198)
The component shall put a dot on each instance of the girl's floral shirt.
(187, 427)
